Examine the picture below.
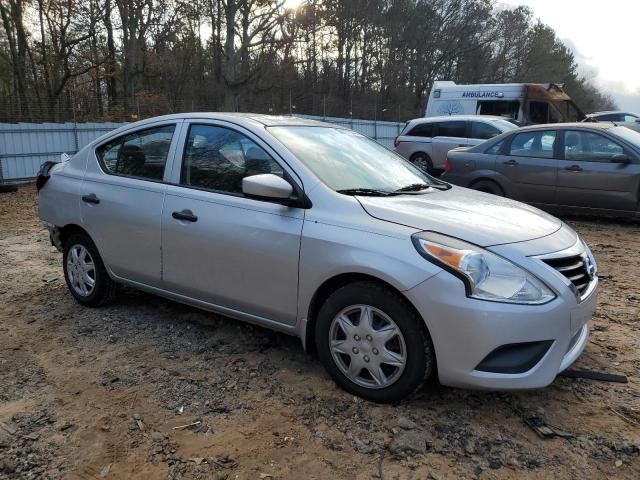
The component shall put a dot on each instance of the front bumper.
(465, 331)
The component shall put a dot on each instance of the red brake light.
(447, 166)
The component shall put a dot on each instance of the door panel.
(531, 167)
(221, 247)
(587, 177)
(125, 225)
(449, 135)
(240, 253)
(121, 201)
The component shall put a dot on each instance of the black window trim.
(142, 128)
(303, 200)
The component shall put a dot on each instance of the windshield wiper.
(414, 187)
(371, 192)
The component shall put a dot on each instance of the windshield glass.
(345, 160)
(627, 134)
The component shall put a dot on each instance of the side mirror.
(621, 158)
(267, 186)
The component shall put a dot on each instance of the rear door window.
(534, 144)
(141, 154)
(422, 130)
(457, 129)
(609, 117)
(483, 131)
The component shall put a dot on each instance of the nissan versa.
(390, 275)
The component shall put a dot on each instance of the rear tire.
(85, 273)
(488, 186)
(423, 162)
(373, 343)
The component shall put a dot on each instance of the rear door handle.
(574, 168)
(91, 198)
(186, 215)
(510, 162)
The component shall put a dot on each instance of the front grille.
(575, 268)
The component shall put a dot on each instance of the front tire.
(373, 343)
(85, 273)
(423, 162)
(488, 186)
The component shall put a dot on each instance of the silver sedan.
(390, 275)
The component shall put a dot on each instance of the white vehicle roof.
(475, 118)
(609, 112)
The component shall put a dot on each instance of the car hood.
(476, 217)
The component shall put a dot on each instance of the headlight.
(486, 275)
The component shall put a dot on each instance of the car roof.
(487, 118)
(254, 118)
(609, 112)
(565, 126)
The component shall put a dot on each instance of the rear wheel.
(373, 344)
(488, 186)
(85, 273)
(422, 161)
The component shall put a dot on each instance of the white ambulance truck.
(526, 103)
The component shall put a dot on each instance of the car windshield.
(351, 163)
(627, 134)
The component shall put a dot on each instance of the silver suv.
(426, 141)
(390, 275)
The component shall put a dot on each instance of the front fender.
(329, 250)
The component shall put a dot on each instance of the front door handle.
(574, 168)
(510, 162)
(186, 215)
(91, 198)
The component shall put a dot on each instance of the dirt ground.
(147, 388)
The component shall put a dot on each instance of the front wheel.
(423, 162)
(85, 273)
(373, 344)
(488, 186)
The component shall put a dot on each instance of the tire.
(80, 252)
(413, 343)
(8, 188)
(423, 162)
(488, 186)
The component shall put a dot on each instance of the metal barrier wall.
(26, 146)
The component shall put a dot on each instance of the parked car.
(426, 141)
(579, 167)
(625, 119)
(310, 229)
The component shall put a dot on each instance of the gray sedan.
(583, 168)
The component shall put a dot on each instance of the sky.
(604, 37)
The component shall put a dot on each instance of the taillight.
(447, 166)
(396, 142)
